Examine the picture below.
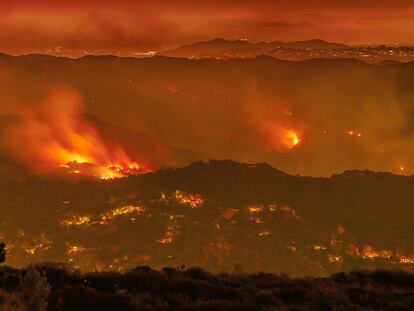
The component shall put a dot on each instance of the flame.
(168, 236)
(290, 139)
(75, 221)
(57, 136)
(334, 258)
(370, 253)
(75, 249)
(281, 138)
(103, 219)
(254, 209)
(190, 199)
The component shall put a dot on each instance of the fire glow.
(282, 139)
(56, 136)
(290, 139)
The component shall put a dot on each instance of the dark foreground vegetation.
(56, 287)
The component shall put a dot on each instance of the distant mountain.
(314, 44)
(221, 47)
(220, 215)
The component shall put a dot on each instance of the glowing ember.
(75, 221)
(75, 249)
(319, 247)
(103, 219)
(406, 260)
(124, 210)
(254, 209)
(289, 211)
(354, 133)
(168, 236)
(370, 253)
(189, 199)
(264, 233)
(334, 258)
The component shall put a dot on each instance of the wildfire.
(103, 219)
(189, 199)
(281, 138)
(75, 221)
(168, 236)
(57, 136)
(291, 139)
(264, 233)
(406, 260)
(75, 249)
(334, 258)
(254, 209)
(124, 210)
(370, 253)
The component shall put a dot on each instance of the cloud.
(278, 24)
(160, 23)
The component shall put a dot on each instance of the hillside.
(245, 110)
(83, 132)
(220, 215)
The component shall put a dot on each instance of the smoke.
(295, 116)
(54, 134)
(324, 117)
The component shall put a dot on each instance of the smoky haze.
(314, 117)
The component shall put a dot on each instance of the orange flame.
(290, 139)
(281, 138)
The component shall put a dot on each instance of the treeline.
(57, 287)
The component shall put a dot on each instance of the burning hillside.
(55, 136)
(298, 116)
(219, 215)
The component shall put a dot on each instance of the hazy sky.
(156, 24)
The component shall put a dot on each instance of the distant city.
(224, 49)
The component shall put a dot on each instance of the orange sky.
(27, 26)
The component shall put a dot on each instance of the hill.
(219, 215)
(220, 47)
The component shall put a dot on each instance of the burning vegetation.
(55, 136)
(160, 219)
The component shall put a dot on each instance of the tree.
(34, 290)
(2, 252)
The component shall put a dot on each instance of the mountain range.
(220, 47)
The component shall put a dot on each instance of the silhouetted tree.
(34, 290)
(2, 252)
